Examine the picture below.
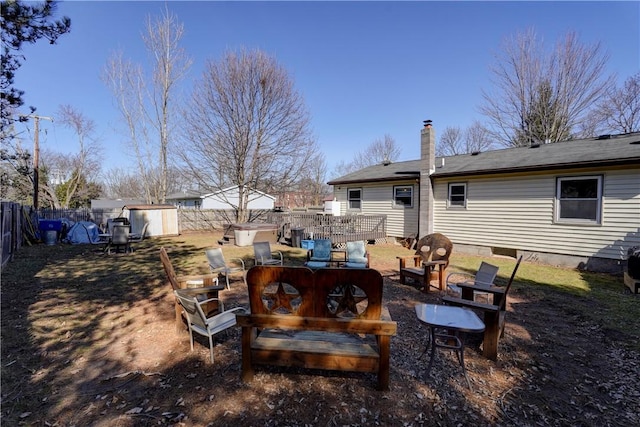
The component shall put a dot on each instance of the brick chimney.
(427, 165)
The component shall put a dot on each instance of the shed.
(162, 219)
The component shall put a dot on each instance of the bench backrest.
(327, 292)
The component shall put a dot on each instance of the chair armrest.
(492, 289)
(465, 276)
(207, 280)
(460, 302)
(280, 254)
(204, 290)
(403, 260)
(240, 260)
(208, 300)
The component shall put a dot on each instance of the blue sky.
(365, 69)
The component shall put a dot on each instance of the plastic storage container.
(307, 244)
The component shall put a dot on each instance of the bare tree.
(539, 96)
(313, 181)
(619, 110)
(247, 127)
(477, 138)
(148, 111)
(450, 143)
(73, 172)
(454, 141)
(379, 151)
(120, 183)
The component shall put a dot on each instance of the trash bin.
(296, 237)
(49, 237)
(49, 229)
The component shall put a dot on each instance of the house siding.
(517, 212)
(232, 199)
(377, 199)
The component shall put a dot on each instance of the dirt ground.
(554, 368)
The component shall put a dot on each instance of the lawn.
(89, 339)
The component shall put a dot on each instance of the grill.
(632, 271)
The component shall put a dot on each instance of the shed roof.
(601, 151)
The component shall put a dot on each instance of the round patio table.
(445, 324)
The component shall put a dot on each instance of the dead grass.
(89, 339)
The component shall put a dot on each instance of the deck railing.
(340, 229)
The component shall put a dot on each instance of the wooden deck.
(339, 229)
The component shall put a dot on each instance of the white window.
(354, 196)
(579, 199)
(457, 195)
(403, 196)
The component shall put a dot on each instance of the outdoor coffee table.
(445, 324)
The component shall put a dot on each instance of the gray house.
(574, 203)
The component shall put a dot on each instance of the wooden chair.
(429, 262)
(485, 276)
(203, 286)
(494, 314)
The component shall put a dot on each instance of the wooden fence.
(19, 224)
(213, 219)
(12, 217)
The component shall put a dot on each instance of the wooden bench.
(330, 319)
(494, 313)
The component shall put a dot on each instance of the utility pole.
(36, 156)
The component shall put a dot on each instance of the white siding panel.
(377, 199)
(518, 213)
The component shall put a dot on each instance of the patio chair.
(263, 255)
(430, 261)
(119, 239)
(357, 255)
(137, 238)
(217, 264)
(203, 286)
(94, 237)
(320, 255)
(199, 323)
(485, 276)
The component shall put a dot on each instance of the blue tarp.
(82, 231)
